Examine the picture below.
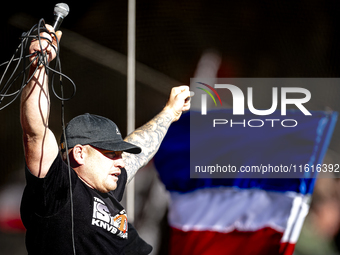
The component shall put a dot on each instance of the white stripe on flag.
(226, 209)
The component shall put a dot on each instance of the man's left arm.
(150, 135)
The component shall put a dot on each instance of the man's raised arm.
(40, 145)
(150, 135)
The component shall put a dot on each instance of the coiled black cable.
(8, 92)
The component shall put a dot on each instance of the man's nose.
(120, 163)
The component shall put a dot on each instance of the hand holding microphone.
(47, 44)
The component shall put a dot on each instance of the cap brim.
(117, 146)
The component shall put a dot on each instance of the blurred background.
(249, 38)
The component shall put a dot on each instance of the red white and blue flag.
(226, 216)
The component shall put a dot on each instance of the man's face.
(101, 169)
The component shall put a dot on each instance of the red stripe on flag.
(265, 241)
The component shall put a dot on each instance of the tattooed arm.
(150, 136)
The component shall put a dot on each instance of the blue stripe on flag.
(310, 141)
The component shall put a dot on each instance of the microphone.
(61, 10)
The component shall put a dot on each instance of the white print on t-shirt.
(102, 218)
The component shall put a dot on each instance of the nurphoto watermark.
(259, 128)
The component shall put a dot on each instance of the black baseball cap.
(97, 131)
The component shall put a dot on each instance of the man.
(102, 163)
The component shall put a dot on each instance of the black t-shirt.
(100, 221)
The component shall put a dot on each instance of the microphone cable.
(68, 159)
(9, 91)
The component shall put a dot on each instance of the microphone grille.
(61, 9)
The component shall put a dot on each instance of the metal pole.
(131, 71)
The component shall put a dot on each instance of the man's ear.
(78, 154)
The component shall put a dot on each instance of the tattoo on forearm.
(149, 138)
